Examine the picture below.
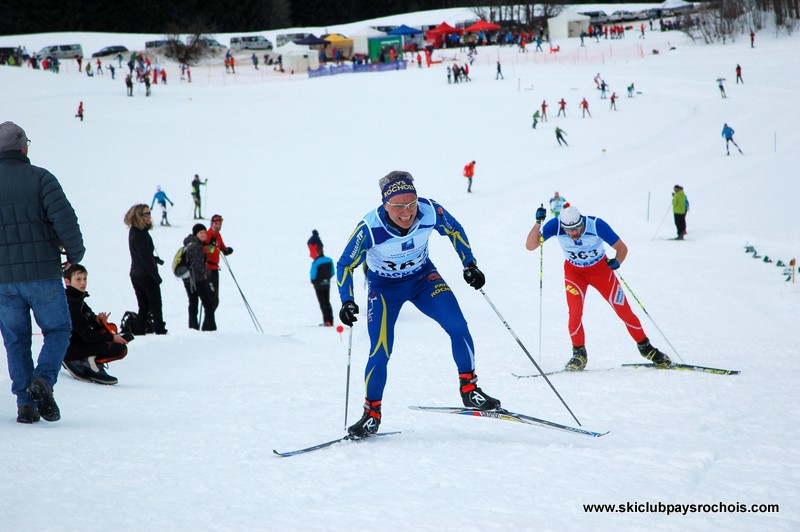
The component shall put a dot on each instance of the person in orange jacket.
(80, 112)
(214, 245)
(469, 172)
(585, 108)
(562, 108)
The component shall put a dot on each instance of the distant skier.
(499, 72)
(80, 111)
(469, 173)
(630, 90)
(535, 118)
(196, 183)
(129, 84)
(254, 59)
(556, 204)
(739, 74)
(721, 87)
(585, 108)
(752, 40)
(562, 108)
(544, 111)
(613, 101)
(560, 136)
(727, 133)
(603, 87)
(161, 197)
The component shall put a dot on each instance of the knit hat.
(570, 217)
(12, 137)
(678, 187)
(216, 218)
(315, 240)
(197, 228)
(395, 183)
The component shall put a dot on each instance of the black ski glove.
(613, 263)
(227, 251)
(159, 261)
(541, 214)
(474, 277)
(348, 313)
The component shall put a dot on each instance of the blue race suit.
(400, 270)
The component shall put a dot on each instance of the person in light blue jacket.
(161, 197)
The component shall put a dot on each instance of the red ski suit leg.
(602, 278)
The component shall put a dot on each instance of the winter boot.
(369, 422)
(578, 360)
(78, 369)
(27, 414)
(651, 353)
(474, 397)
(42, 393)
(97, 372)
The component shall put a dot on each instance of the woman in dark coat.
(144, 269)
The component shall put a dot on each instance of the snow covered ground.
(184, 441)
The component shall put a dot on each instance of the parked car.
(597, 17)
(209, 42)
(623, 16)
(60, 51)
(161, 43)
(250, 42)
(110, 50)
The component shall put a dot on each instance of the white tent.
(567, 25)
(297, 57)
(361, 39)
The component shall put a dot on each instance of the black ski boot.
(654, 355)
(578, 360)
(474, 397)
(369, 422)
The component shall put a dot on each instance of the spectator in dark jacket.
(94, 341)
(144, 270)
(198, 285)
(321, 272)
(38, 223)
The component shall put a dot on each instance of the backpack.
(180, 265)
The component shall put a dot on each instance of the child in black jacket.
(94, 341)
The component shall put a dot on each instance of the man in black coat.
(38, 223)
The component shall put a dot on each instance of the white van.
(60, 51)
(250, 42)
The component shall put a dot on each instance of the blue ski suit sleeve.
(352, 256)
(448, 226)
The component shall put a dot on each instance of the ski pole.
(662, 222)
(246, 303)
(541, 275)
(529, 356)
(347, 387)
(649, 316)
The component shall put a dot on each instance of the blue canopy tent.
(410, 35)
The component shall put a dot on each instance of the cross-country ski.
(330, 443)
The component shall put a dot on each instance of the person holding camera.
(94, 342)
(144, 270)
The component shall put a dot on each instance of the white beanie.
(570, 217)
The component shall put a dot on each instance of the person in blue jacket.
(161, 197)
(393, 240)
(321, 272)
(727, 134)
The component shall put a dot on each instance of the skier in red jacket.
(215, 245)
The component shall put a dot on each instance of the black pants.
(213, 278)
(201, 293)
(324, 298)
(148, 297)
(680, 223)
(104, 351)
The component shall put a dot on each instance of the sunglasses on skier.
(402, 206)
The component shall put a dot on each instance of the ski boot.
(649, 352)
(578, 360)
(474, 397)
(369, 422)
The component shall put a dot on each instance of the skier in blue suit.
(393, 240)
(727, 133)
(161, 197)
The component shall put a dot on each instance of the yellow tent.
(340, 43)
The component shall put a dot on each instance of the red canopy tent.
(482, 25)
(437, 35)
